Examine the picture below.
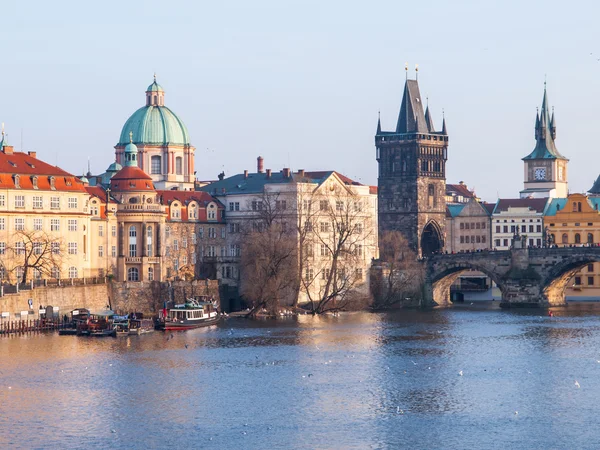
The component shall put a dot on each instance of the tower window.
(155, 164)
(179, 165)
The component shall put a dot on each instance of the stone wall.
(67, 298)
(123, 297)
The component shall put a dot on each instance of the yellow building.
(575, 221)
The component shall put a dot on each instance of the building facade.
(523, 216)
(468, 227)
(412, 175)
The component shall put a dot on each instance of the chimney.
(301, 172)
(33, 155)
(246, 173)
(8, 149)
(461, 183)
(259, 164)
(286, 172)
(268, 173)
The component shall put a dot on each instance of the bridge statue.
(530, 277)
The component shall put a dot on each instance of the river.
(356, 381)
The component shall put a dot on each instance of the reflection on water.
(356, 381)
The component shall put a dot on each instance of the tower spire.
(378, 122)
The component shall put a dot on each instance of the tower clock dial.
(540, 173)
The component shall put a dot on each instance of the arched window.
(149, 241)
(578, 206)
(565, 238)
(133, 274)
(574, 207)
(150, 273)
(55, 272)
(132, 241)
(155, 165)
(179, 165)
(72, 272)
(577, 238)
(590, 239)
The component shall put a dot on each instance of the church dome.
(154, 124)
(131, 178)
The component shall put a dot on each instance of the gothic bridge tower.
(412, 175)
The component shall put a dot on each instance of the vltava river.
(355, 381)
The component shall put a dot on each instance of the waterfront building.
(575, 221)
(524, 216)
(459, 193)
(163, 142)
(412, 175)
(467, 227)
(545, 168)
(44, 220)
(103, 230)
(297, 200)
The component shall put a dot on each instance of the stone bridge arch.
(556, 277)
(443, 271)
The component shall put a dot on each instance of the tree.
(269, 255)
(340, 236)
(35, 251)
(399, 276)
(180, 252)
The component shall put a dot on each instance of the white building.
(524, 216)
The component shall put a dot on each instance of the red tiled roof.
(373, 190)
(325, 173)
(186, 196)
(131, 178)
(27, 167)
(489, 207)
(459, 189)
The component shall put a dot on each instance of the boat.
(98, 324)
(121, 325)
(78, 316)
(141, 326)
(195, 313)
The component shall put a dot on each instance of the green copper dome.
(154, 125)
(155, 87)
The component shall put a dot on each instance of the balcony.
(133, 259)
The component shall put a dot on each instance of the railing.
(51, 283)
(31, 326)
(140, 207)
(133, 259)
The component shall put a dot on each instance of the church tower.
(545, 167)
(412, 175)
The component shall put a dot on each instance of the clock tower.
(545, 167)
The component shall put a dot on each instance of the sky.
(301, 82)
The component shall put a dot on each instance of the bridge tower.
(412, 175)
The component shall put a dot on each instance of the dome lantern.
(131, 152)
(155, 94)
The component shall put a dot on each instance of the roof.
(185, 197)
(99, 192)
(155, 87)
(459, 189)
(545, 133)
(373, 190)
(534, 204)
(154, 125)
(489, 207)
(255, 182)
(412, 117)
(595, 189)
(28, 168)
(558, 204)
(455, 209)
(131, 178)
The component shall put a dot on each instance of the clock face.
(540, 173)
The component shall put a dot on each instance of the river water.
(359, 381)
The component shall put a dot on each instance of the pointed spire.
(412, 117)
(429, 120)
(379, 122)
(444, 130)
(3, 141)
(553, 124)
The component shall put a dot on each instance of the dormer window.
(34, 181)
(68, 181)
(52, 180)
(12, 164)
(17, 181)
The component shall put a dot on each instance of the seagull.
(310, 374)
(577, 384)
(186, 345)
(414, 363)
(516, 413)
(399, 411)
(460, 373)
(529, 372)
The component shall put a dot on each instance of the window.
(462, 226)
(505, 229)
(309, 274)
(175, 213)
(19, 223)
(113, 231)
(54, 224)
(179, 165)
(37, 202)
(497, 242)
(184, 242)
(538, 242)
(483, 225)
(577, 281)
(577, 238)
(462, 239)
(505, 243)
(538, 228)
(358, 206)
(55, 272)
(230, 206)
(54, 202)
(100, 251)
(324, 227)
(55, 248)
(72, 224)
(20, 248)
(150, 273)
(590, 281)
(483, 239)
(497, 228)
(149, 234)
(358, 274)
(19, 201)
(101, 230)
(590, 267)
(212, 214)
(339, 205)
(358, 228)
(184, 260)
(478, 225)
(467, 226)
(590, 238)
(565, 238)
(2, 224)
(2, 248)
(72, 248)
(211, 251)
(2, 200)
(94, 209)
(523, 228)
(113, 251)
(37, 224)
(133, 274)
(175, 244)
(325, 273)
(281, 205)
(212, 232)
(201, 233)
(155, 165)
(132, 241)
(323, 205)
(72, 203)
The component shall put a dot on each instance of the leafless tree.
(269, 255)
(340, 233)
(34, 251)
(399, 276)
(180, 252)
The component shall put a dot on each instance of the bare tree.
(34, 251)
(180, 252)
(269, 255)
(400, 275)
(339, 235)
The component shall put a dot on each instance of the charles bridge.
(529, 277)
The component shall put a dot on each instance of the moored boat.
(193, 314)
(141, 326)
(78, 316)
(99, 324)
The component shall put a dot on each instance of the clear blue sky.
(300, 82)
